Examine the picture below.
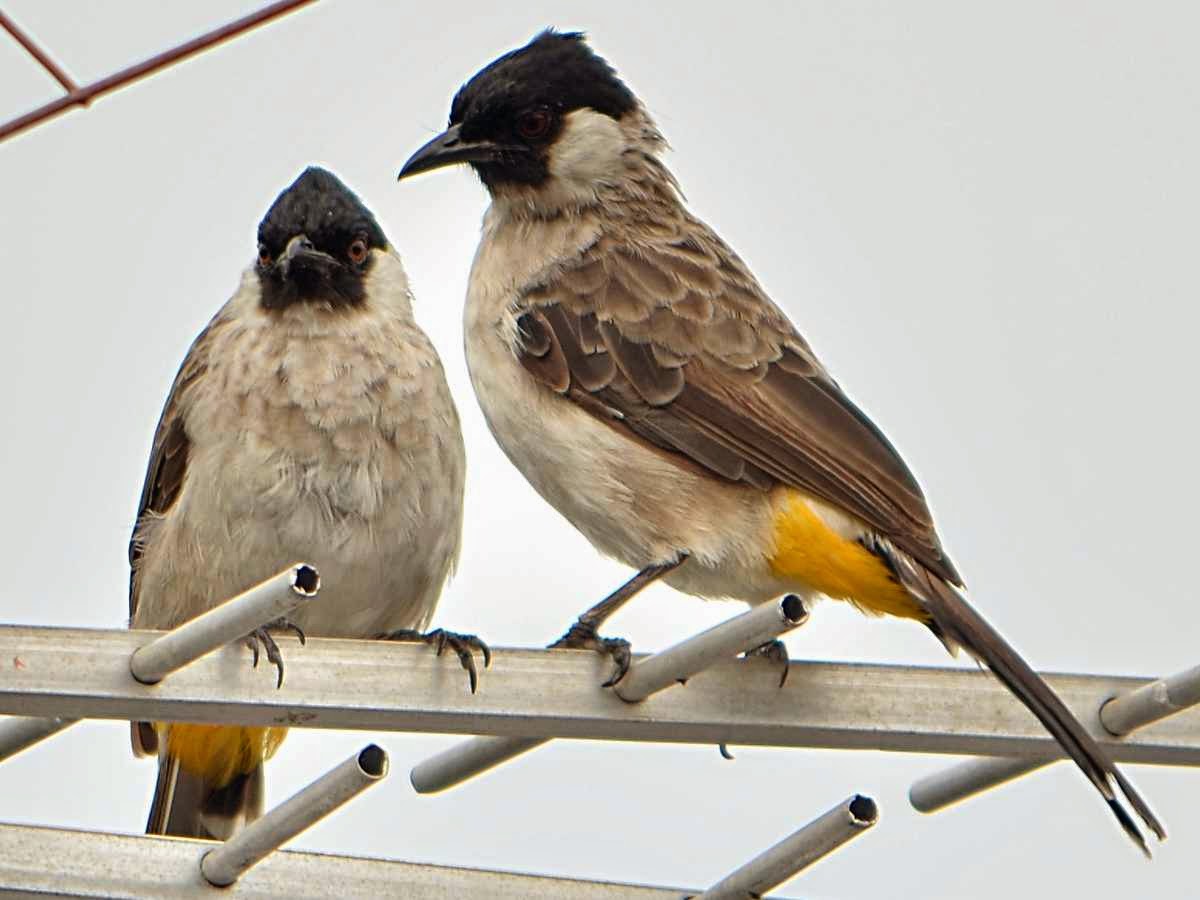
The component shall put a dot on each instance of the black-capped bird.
(636, 372)
(310, 421)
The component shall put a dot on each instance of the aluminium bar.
(386, 686)
(275, 598)
(798, 851)
(468, 758)
(82, 96)
(1116, 716)
(19, 732)
(139, 867)
(258, 840)
(754, 628)
(1151, 702)
(649, 675)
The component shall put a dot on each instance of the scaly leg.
(583, 634)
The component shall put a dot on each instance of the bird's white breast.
(632, 502)
(325, 438)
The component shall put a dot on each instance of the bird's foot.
(582, 636)
(774, 652)
(463, 645)
(262, 637)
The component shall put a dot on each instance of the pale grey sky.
(982, 215)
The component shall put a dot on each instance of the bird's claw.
(582, 636)
(261, 636)
(463, 645)
(775, 652)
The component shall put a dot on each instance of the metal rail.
(382, 686)
(99, 864)
(1118, 715)
(648, 676)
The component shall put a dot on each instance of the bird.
(310, 420)
(639, 376)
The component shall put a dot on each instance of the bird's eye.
(534, 124)
(264, 256)
(357, 251)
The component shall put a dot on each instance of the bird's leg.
(774, 651)
(584, 633)
(261, 636)
(463, 646)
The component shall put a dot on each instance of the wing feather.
(668, 336)
(170, 449)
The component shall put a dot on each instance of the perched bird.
(638, 375)
(311, 421)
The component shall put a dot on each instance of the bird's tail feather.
(958, 621)
(187, 805)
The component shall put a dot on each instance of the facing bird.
(311, 421)
(634, 370)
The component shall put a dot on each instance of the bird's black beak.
(301, 256)
(447, 149)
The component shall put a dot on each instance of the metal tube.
(19, 732)
(965, 779)
(273, 599)
(758, 626)
(227, 863)
(472, 757)
(797, 852)
(1119, 716)
(647, 676)
(1151, 702)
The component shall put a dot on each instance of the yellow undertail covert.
(220, 753)
(810, 552)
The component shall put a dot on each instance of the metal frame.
(691, 692)
(379, 686)
(1118, 715)
(648, 676)
(102, 864)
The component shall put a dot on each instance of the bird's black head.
(315, 244)
(505, 120)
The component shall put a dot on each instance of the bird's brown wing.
(164, 480)
(670, 336)
(169, 452)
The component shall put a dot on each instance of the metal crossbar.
(78, 673)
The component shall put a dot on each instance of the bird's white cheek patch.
(588, 150)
